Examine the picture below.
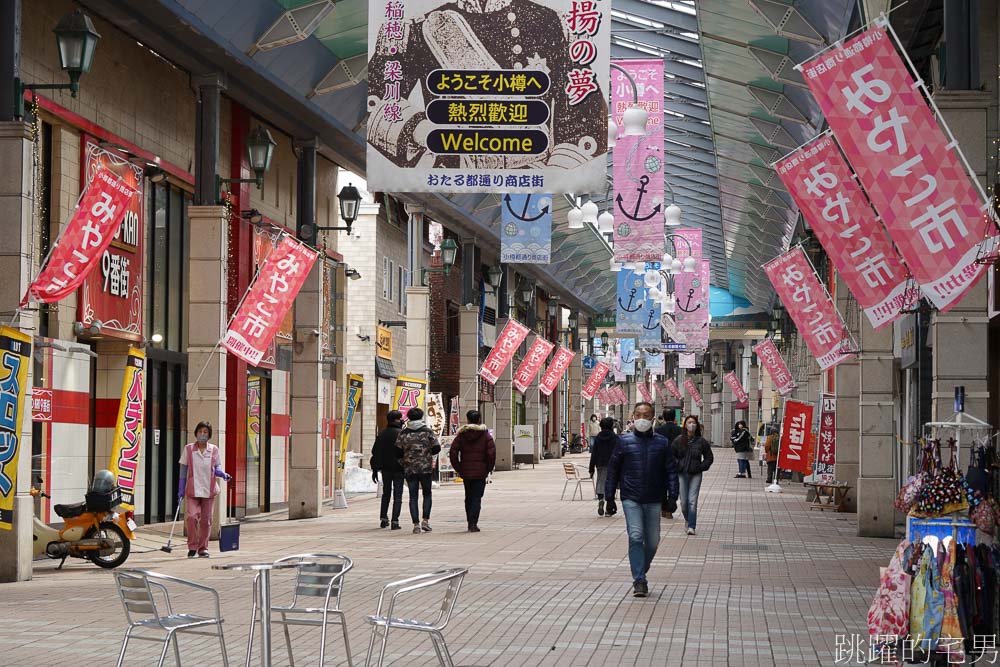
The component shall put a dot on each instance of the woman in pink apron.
(200, 466)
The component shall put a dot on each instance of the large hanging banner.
(905, 161)
(692, 307)
(626, 347)
(796, 426)
(809, 305)
(638, 164)
(15, 356)
(631, 303)
(128, 428)
(693, 245)
(650, 332)
(555, 371)
(410, 393)
(740, 397)
(526, 237)
(656, 362)
(823, 187)
(352, 404)
(114, 296)
(532, 363)
(265, 238)
(693, 392)
(775, 366)
(495, 96)
(507, 343)
(671, 386)
(826, 451)
(687, 360)
(268, 299)
(94, 225)
(593, 383)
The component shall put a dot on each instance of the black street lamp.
(349, 199)
(449, 249)
(260, 150)
(76, 40)
(527, 291)
(494, 276)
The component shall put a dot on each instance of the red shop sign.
(41, 405)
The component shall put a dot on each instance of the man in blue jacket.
(643, 468)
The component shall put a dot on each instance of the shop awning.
(384, 368)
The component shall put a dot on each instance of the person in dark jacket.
(669, 429)
(643, 467)
(386, 459)
(600, 453)
(473, 455)
(740, 437)
(694, 457)
(420, 448)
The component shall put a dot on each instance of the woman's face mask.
(202, 437)
(691, 427)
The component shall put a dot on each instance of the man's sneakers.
(425, 526)
(473, 528)
(690, 531)
(600, 507)
(416, 529)
(640, 589)
(384, 523)
(395, 525)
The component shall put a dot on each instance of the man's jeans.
(642, 521)
(690, 485)
(421, 481)
(474, 489)
(392, 487)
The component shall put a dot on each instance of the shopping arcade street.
(764, 582)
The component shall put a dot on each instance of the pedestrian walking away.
(386, 459)
(196, 485)
(643, 467)
(669, 429)
(473, 455)
(593, 428)
(740, 437)
(771, 453)
(694, 457)
(420, 448)
(600, 454)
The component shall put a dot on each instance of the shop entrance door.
(258, 496)
(166, 431)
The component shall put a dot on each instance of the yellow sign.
(253, 416)
(128, 429)
(410, 393)
(383, 342)
(15, 355)
(355, 387)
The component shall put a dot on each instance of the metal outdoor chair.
(321, 584)
(574, 474)
(139, 591)
(450, 580)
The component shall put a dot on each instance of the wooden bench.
(835, 494)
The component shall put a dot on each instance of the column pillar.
(753, 398)
(16, 265)
(847, 382)
(876, 484)
(468, 362)
(504, 411)
(418, 312)
(705, 387)
(727, 414)
(206, 317)
(210, 87)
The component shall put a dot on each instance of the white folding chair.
(449, 580)
(322, 580)
(574, 475)
(136, 589)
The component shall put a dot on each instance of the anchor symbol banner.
(691, 314)
(526, 237)
(631, 303)
(626, 347)
(638, 165)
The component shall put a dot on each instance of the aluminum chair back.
(454, 577)
(136, 593)
(324, 579)
(570, 470)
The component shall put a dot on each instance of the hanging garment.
(964, 594)
(889, 613)
(952, 638)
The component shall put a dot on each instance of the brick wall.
(444, 365)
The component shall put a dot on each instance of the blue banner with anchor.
(626, 348)
(631, 302)
(526, 236)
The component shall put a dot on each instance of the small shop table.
(835, 494)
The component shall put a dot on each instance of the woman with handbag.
(198, 484)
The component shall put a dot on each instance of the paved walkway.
(764, 582)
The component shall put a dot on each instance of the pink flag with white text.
(532, 363)
(775, 366)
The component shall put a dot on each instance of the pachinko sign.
(499, 357)
(15, 355)
(269, 298)
(494, 96)
(823, 187)
(90, 231)
(593, 383)
(410, 393)
(532, 363)
(796, 427)
(809, 305)
(905, 161)
(775, 366)
(555, 371)
(128, 428)
(355, 390)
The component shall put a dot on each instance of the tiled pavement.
(764, 582)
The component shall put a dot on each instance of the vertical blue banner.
(627, 349)
(649, 335)
(526, 236)
(630, 303)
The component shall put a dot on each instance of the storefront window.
(167, 279)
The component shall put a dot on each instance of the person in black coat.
(740, 437)
(600, 455)
(694, 457)
(669, 429)
(386, 459)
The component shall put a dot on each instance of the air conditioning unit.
(489, 319)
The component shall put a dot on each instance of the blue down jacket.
(643, 467)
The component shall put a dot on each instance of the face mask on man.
(642, 425)
(691, 427)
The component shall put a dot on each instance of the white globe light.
(575, 218)
(690, 264)
(590, 212)
(667, 260)
(672, 216)
(653, 294)
(675, 266)
(651, 278)
(612, 133)
(605, 222)
(635, 119)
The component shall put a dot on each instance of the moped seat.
(70, 511)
